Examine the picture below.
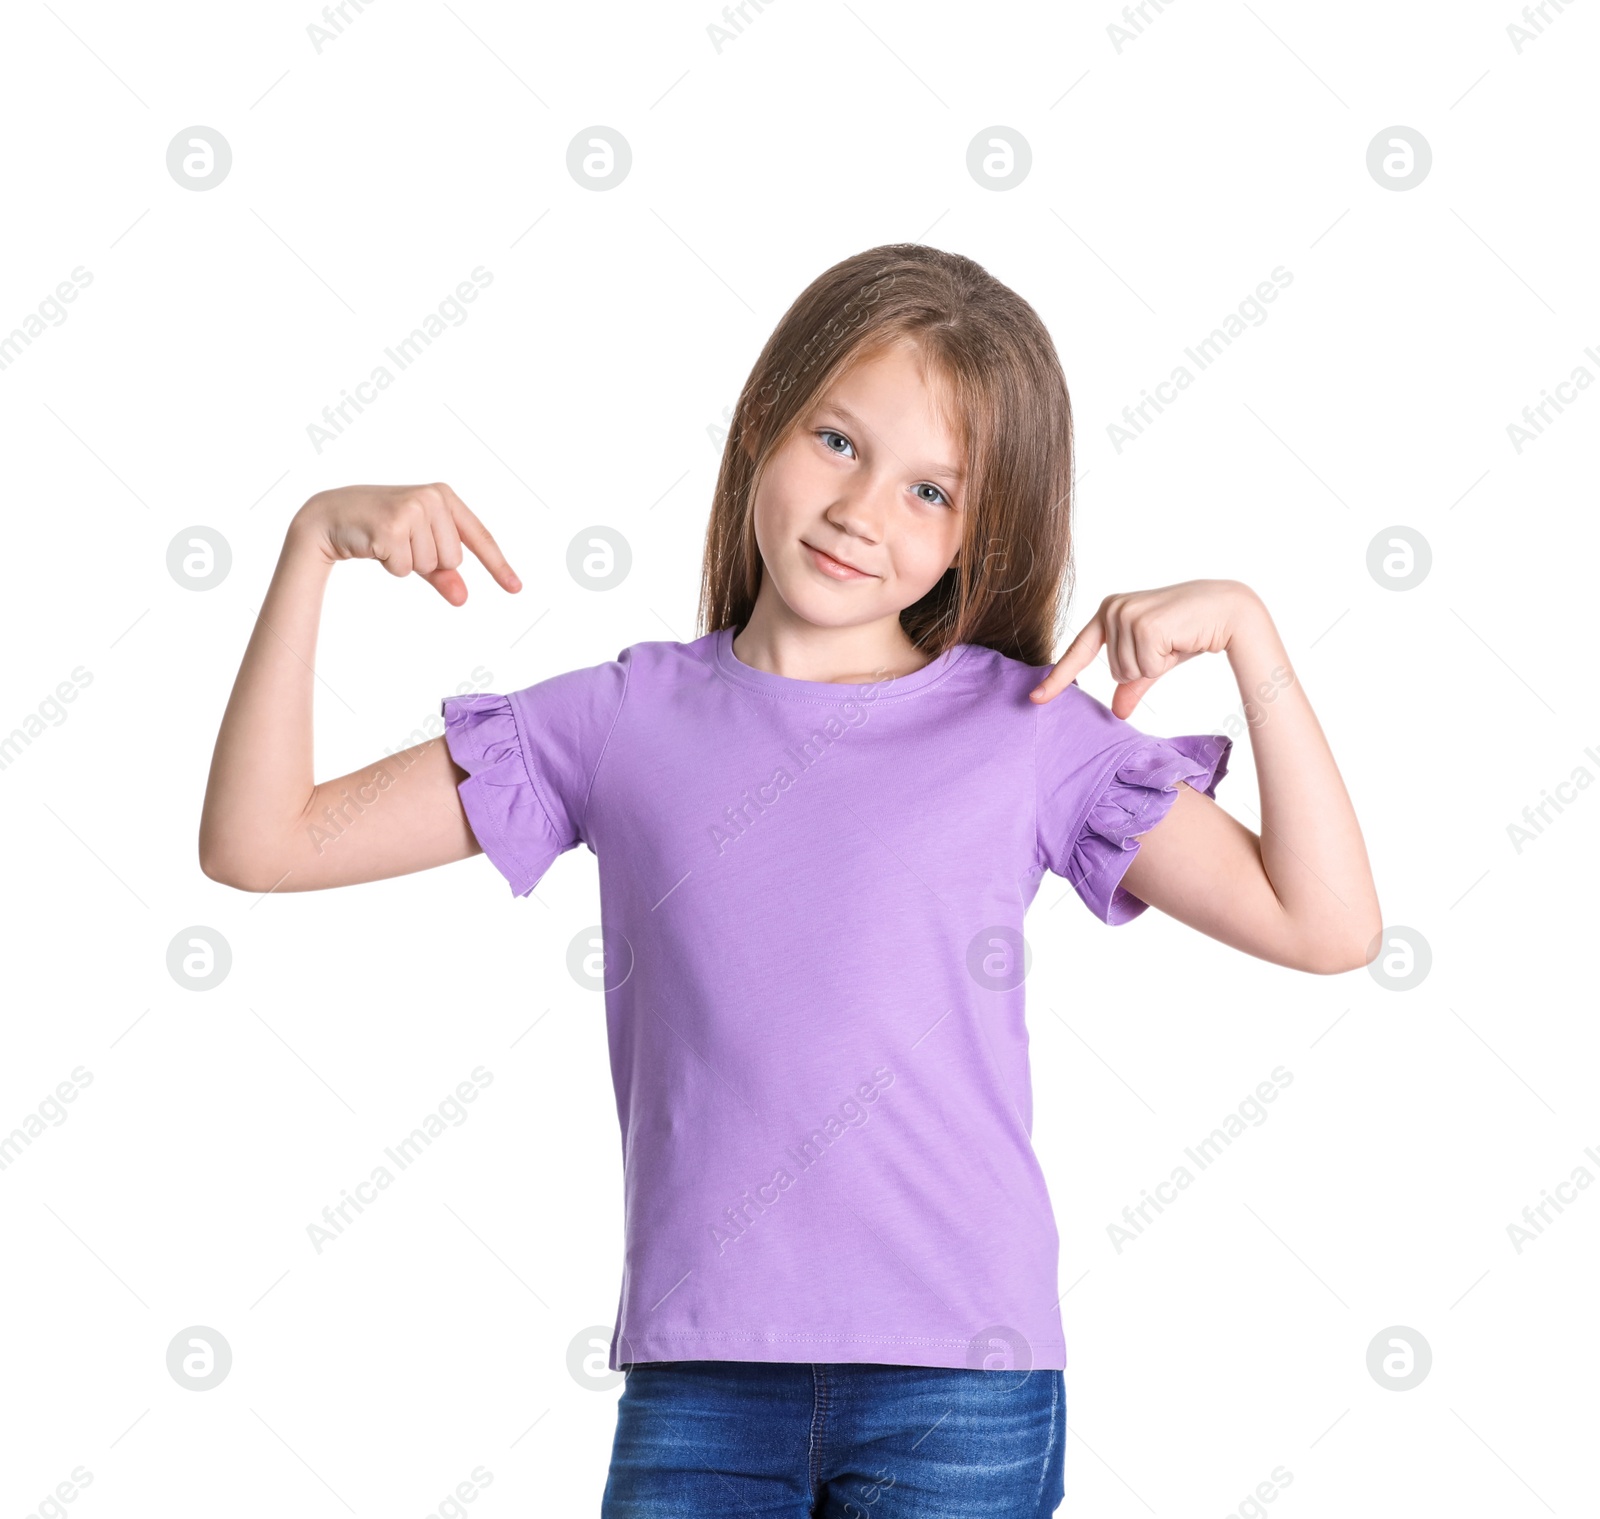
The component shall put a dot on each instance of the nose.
(861, 507)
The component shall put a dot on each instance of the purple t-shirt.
(812, 902)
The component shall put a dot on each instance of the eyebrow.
(942, 471)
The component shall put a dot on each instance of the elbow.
(1336, 957)
(222, 870)
(228, 868)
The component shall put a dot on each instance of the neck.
(783, 644)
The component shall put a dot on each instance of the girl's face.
(858, 514)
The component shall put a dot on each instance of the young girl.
(818, 828)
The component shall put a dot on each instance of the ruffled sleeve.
(1137, 794)
(502, 804)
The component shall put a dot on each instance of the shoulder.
(590, 698)
(1073, 732)
(667, 659)
(638, 662)
(1008, 681)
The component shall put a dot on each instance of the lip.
(836, 568)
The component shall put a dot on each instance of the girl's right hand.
(406, 528)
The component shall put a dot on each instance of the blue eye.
(828, 432)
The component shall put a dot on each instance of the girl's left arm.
(1301, 892)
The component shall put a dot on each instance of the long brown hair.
(1009, 585)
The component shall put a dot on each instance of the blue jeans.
(792, 1440)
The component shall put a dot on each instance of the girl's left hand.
(1146, 633)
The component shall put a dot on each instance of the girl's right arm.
(266, 825)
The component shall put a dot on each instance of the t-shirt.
(812, 901)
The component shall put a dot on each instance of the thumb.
(1126, 697)
(449, 584)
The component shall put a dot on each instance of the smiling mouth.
(836, 568)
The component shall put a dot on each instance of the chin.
(820, 614)
(812, 604)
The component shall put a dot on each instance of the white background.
(1168, 179)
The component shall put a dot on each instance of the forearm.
(1311, 845)
(262, 775)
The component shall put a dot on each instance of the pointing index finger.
(1080, 652)
(481, 541)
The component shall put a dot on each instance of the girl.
(818, 826)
